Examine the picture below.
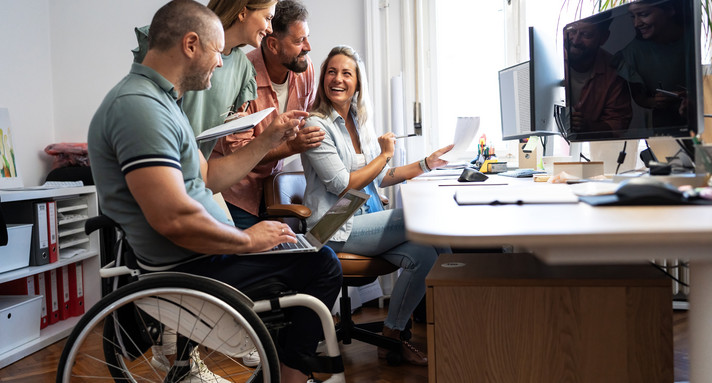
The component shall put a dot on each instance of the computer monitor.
(529, 90)
(634, 72)
(515, 101)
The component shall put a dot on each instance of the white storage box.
(19, 320)
(579, 169)
(16, 254)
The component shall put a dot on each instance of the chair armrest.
(296, 211)
(384, 200)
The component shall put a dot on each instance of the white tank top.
(359, 162)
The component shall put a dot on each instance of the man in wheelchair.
(155, 183)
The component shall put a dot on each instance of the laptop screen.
(342, 210)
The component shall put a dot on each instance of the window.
(470, 48)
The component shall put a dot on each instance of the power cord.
(621, 156)
(666, 272)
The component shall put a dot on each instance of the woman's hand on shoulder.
(387, 142)
(434, 160)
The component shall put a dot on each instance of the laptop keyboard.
(301, 244)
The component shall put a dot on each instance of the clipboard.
(233, 126)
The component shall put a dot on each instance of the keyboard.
(302, 243)
(521, 173)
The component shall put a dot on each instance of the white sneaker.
(199, 372)
(203, 375)
(252, 358)
(161, 363)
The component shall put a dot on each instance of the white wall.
(26, 82)
(60, 57)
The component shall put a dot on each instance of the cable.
(558, 118)
(621, 156)
(664, 270)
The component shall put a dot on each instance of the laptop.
(314, 239)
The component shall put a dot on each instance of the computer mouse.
(649, 191)
(472, 175)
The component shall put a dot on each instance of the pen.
(247, 105)
(407, 135)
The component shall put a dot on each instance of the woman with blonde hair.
(352, 157)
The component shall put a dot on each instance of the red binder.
(63, 292)
(76, 289)
(52, 231)
(52, 296)
(41, 289)
(22, 286)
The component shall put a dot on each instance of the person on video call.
(352, 157)
(654, 62)
(600, 98)
(155, 183)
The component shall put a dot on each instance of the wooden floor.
(360, 359)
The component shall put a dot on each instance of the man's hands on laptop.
(268, 234)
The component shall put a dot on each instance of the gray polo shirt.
(139, 124)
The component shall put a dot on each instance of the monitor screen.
(528, 91)
(515, 101)
(634, 72)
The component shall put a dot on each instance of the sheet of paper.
(236, 125)
(532, 142)
(465, 132)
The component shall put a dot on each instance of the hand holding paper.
(465, 132)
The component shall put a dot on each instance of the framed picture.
(9, 176)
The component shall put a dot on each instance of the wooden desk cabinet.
(510, 318)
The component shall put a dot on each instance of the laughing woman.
(350, 157)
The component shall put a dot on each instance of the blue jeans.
(382, 234)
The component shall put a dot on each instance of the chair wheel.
(394, 358)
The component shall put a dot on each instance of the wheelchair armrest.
(99, 222)
(297, 211)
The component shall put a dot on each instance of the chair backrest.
(286, 188)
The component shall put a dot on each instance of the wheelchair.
(209, 324)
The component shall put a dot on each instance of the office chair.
(284, 197)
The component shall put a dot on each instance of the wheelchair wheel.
(214, 326)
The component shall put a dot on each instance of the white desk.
(578, 233)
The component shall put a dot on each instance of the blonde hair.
(228, 10)
(360, 103)
(322, 105)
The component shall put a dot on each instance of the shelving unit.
(74, 206)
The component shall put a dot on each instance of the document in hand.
(511, 194)
(236, 125)
(465, 132)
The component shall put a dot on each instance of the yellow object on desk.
(486, 165)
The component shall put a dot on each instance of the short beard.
(297, 66)
(196, 79)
